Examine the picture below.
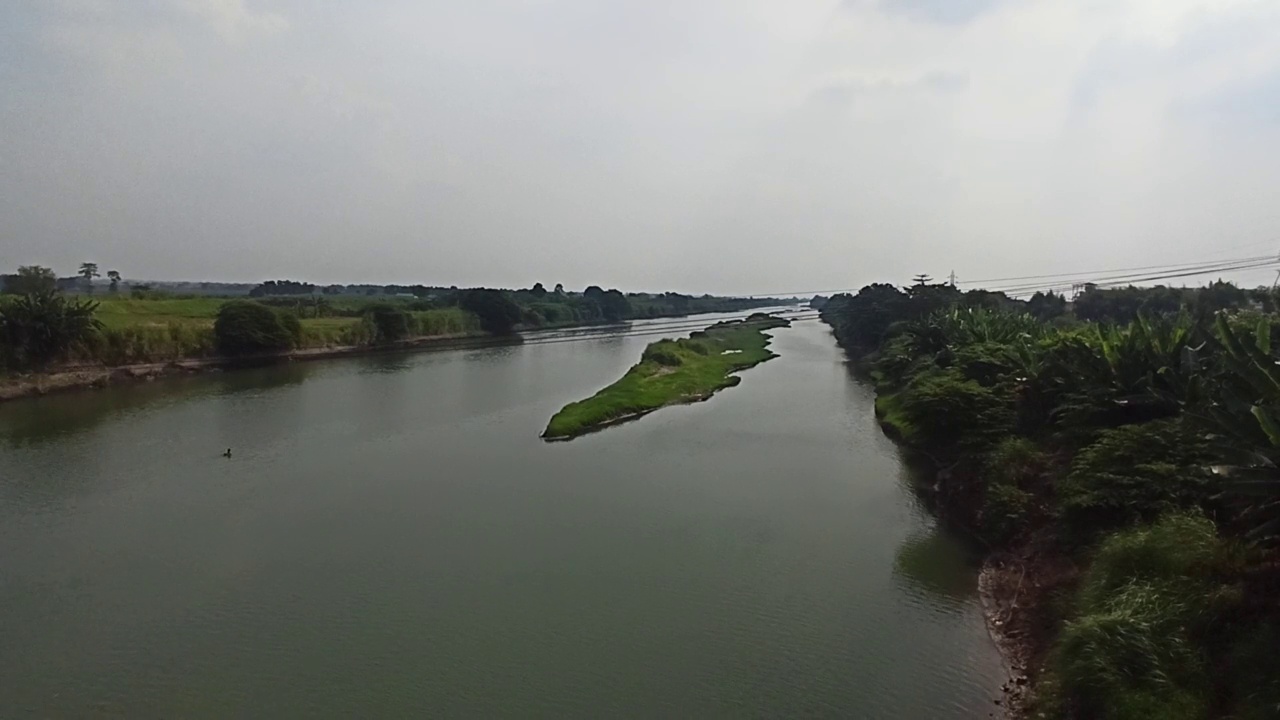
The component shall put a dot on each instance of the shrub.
(389, 323)
(1006, 511)
(663, 353)
(950, 414)
(1017, 462)
(293, 325)
(1134, 649)
(1134, 474)
(245, 327)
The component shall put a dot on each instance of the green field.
(138, 330)
(671, 372)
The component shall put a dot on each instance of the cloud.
(233, 20)
(944, 12)
(510, 141)
(840, 92)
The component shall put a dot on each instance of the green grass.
(670, 372)
(130, 312)
(166, 329)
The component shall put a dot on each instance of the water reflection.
(935, 563)
(36, 420)
(39, 420)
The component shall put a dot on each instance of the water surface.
(392, 538)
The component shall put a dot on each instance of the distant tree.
(370, 292)
(1046, 306)
(282, 287)
(333, 289)
(40, 327)
(537, 290)
(245, 327)
(1220, 296)
(114, 277)
(614, 306)
(498, 314)
(88, 271)
(593, 292)
(31, 279)
(559, 288)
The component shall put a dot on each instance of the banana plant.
(1246, 418)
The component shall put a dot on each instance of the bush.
(664, 353)
(245, 327)
(389, 323)
(1006, 511)
(293, 325)
(952, 415)
(1134, 651)
(1134, 474)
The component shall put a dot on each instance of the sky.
(725, 146)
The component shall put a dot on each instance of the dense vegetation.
(670, 372)
(1131, 437)
(139, 323)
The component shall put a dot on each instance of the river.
(391, 538)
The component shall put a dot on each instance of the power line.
(1063, 279)
(1166, 266)
(1171, 272)
(1147, 278)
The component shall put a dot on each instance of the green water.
(392, 539)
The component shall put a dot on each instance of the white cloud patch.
(233, 19)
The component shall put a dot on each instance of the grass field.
(164, 329)
(671, 372)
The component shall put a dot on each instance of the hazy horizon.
(743, 147)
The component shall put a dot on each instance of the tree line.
(1123, 447)
(45, 319)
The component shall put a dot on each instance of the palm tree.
(114, 277)
(88, 271)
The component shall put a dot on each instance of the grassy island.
(671, 372)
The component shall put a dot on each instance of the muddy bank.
(68, 378)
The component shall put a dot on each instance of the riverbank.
(1012, 584)
(671, 372)
(1096, 463)
(70, 378)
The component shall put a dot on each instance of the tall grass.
(1136, 646)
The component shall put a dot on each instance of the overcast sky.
(733, 146)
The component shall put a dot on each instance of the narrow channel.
(391, 538)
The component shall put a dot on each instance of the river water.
(391, 538)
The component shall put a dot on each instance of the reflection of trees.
(938, 564)
(36, 420)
